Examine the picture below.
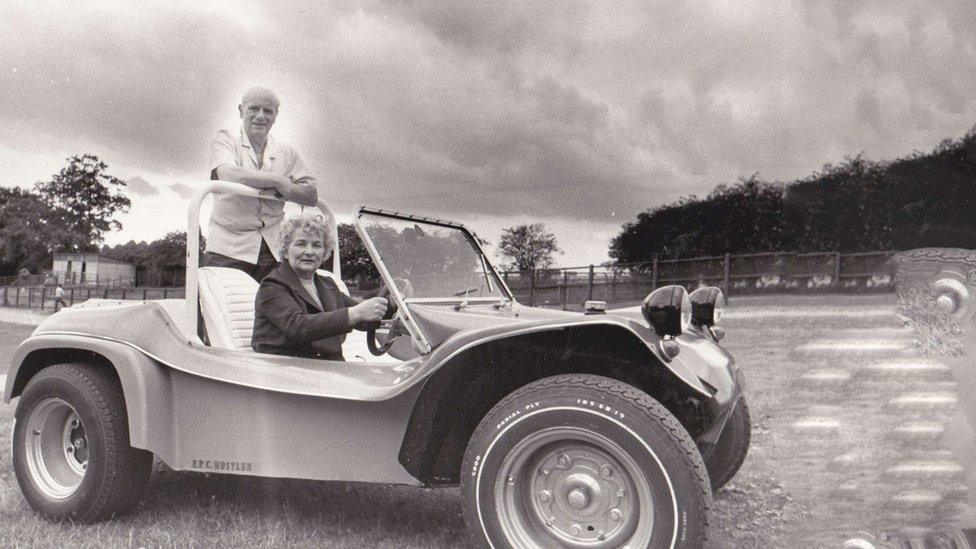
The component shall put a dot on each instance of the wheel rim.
(57, 448)
(573, 487)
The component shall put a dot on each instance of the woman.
(297, 313)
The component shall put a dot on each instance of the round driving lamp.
(707, 306)
(667, 310)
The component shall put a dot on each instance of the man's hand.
(298, 193)
(370, 310)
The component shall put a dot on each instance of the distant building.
(92, 270)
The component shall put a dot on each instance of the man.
(59, 298)
(241, 227)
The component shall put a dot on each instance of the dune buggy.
(563, 429)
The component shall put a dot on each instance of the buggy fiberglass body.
(562, 428)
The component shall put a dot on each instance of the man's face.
(258, 114)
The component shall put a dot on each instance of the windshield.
(439, 262)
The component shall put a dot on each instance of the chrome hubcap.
(946, 304)
(57, 448)
(572, 487)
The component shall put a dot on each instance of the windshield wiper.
(465, 291)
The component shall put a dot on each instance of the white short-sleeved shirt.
(239, 222)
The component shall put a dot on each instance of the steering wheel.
(393, 331)
(391, 322)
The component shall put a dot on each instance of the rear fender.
(145, 384)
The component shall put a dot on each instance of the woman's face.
(305, 253)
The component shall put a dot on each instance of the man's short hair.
(260, 93)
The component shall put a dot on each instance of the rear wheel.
(584, 461)
(732, 447)
(71, 450)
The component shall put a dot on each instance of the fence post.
(565, 289)
(5, 296)
(836, 269)
(613, 286)
(17, 303)
(143, 294)
(106, 293)
(123, 293)
(165, 292)
(589, 292)
(728, 274)
(654, 275)
(43, 291)
(71, 296)
(532, 288)
(30, 297)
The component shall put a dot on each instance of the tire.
(78, 406)
(732, 446)
(565, 459)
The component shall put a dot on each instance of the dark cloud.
(868, 109)
(141, 187)
(503, 28)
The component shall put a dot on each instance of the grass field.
(779, 498)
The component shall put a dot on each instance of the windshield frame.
(507, 295)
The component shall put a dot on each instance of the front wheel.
(71, 450)
(584, 461)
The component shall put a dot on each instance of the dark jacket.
(288, 322)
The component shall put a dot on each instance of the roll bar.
(193, 241)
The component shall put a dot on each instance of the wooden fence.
(739, 274)
(42, 297)
(619, 285)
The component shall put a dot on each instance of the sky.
(574, 114)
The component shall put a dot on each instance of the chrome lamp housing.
(707, 306)
(667, 310)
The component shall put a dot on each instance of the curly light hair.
(308, 222)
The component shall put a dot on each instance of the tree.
(28, 236)
(161, 261)
(69, 213)
(83, 200)
(528, 247)
(356, 262)
(746, 217)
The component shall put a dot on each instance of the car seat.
(227, 304)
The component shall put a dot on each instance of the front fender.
(472, 371)
(145, 383)
(466, 341)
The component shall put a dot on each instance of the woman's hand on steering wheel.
(378, 349)
(372, 309)
(406, 290)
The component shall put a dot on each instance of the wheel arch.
(463, 389)
(145, 384)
